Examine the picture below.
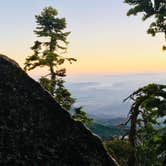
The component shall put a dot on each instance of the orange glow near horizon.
(109, 64)
(111, 60)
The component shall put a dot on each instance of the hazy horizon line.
(36, 76)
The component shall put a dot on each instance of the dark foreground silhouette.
(36, 131)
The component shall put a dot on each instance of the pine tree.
(50, 52)
(149, 8)
(147, 125)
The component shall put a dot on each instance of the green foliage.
(149, 8)
(49, 52)
(149, 153)
(62, 95)
(81, 116)
(147, 119)
(119, 149)
(147, 114)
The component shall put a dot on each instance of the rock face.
(36, 131)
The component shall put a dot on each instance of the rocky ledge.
(36, 131)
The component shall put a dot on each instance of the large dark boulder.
(36, 131)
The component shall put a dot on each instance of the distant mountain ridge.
(104, 132)
(107, 128)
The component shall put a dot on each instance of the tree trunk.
(132, 138)
(53, 79)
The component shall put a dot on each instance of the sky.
(103, 38)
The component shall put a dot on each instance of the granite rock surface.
(36, 131)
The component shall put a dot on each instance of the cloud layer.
(102, 95)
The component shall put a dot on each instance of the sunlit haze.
(103, 38)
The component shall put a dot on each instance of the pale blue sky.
(101, 32)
